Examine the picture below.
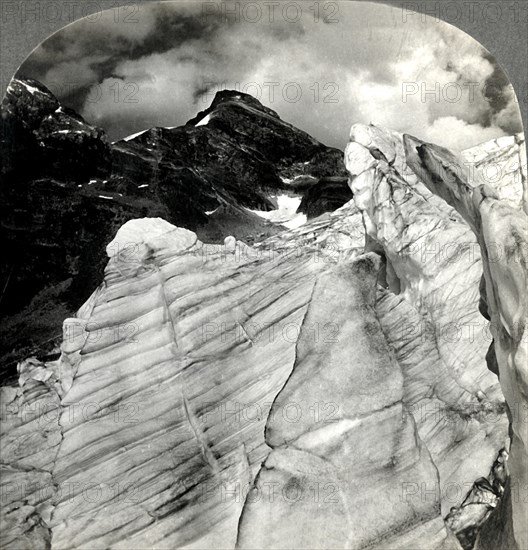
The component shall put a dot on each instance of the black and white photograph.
(264, 276)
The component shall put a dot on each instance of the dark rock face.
(327, 195)
(280, 143)
(65, 191)
(40, 138)
(231, 219)
(484, 497)
(191, 168)
(51, 216)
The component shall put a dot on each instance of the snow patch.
(297, 221)
(286, 213)
(31, 89)
(105, 197)
(68, 131)
(142, 185)
(289, 181)
(204, 121)
(132, 136)
(209, 212)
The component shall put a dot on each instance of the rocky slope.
(325, 387)
(326, 195)
(65, 191)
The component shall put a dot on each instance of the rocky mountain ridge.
(66, 191)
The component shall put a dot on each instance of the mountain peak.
(232, 98)
(240, 97)
(27, 85)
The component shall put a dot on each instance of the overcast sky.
(159, 64)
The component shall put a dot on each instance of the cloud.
(457, 134)
(369, 66)
(509, 117)
(87, 52)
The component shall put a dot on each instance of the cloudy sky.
(159, 64)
